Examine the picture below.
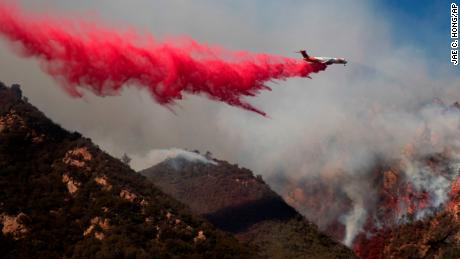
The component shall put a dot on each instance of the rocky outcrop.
(77, 157)
(103, 182)
(12, 225)
(97, 223)
(127, 195)
(72, 185)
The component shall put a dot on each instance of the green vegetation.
(63, 186)
(235, 201)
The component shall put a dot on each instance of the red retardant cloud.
(83, 55)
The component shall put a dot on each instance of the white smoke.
(355, 219)
(159, 155)
(435, 183)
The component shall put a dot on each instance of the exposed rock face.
(71, 184)
(236, 201)
(11, 121)
(77, 157)
(127, 195)
(102, 181)
(80, 202)
(97, 222)
(12, 225)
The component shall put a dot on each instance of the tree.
(16, 90)
(126, 159)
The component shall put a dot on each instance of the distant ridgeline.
(235, 201)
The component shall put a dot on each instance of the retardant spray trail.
(82, 55)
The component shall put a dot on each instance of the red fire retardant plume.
(82, 55)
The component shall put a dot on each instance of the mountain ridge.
(236, 201)
(61, 196)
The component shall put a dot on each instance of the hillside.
(62, 197)
(437, 236)
(401, 206)
(235, 201)
(404, 221)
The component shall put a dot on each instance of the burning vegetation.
(400, 205)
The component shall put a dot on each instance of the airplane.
(323, 60)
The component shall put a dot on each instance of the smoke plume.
(103, 61)
(172, 154)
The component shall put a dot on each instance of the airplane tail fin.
(304, 53)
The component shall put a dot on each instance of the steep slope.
(405, 220)
(62, 197)
(401, 206)
(437, 236)
(234, 200)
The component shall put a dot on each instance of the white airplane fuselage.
(329, 60)
(322, 60)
